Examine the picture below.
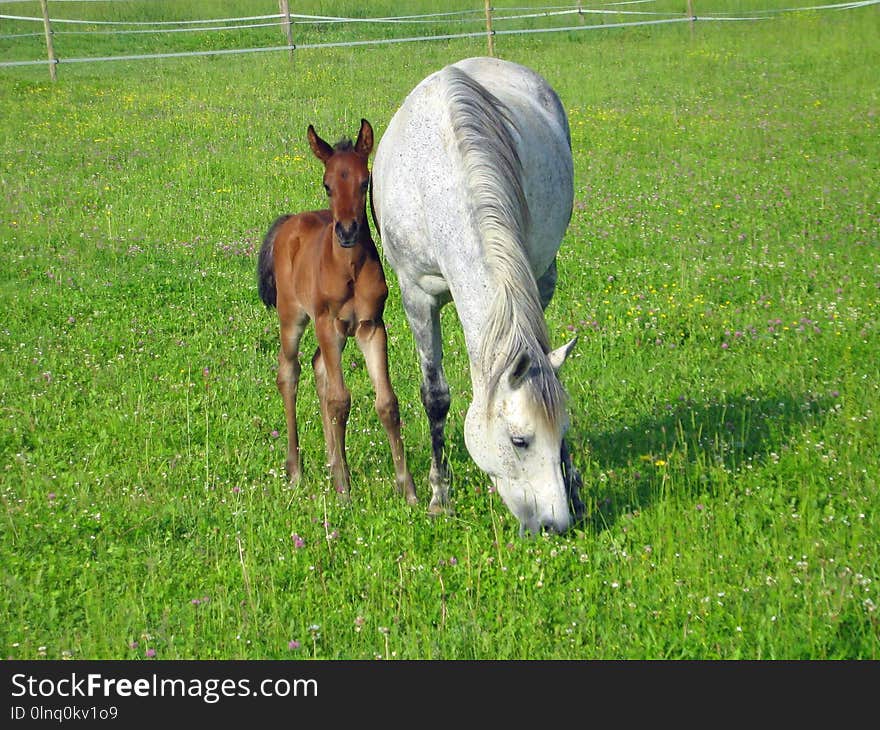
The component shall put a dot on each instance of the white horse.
(473, 191)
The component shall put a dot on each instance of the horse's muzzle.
(552, 524)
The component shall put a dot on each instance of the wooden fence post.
(580, 12)
(690, 12)
(50, 48)
(489, 32)
(284, 8)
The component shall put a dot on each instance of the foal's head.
(346, 179)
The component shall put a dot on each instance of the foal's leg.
(293, 323)
(321, 387)
(423, 315)
(373, 342)
(335, 399)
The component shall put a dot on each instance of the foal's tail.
(266, 266)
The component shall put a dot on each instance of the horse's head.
(346, 179)
(517, 440)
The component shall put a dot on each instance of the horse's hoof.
(343, 495)
(435, 509)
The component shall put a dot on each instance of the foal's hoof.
(408, 490)
(294, 473)
(343, 495)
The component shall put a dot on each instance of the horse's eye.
(521, 442)
(327, 188)
(364, 185)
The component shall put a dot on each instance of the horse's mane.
(515, 324)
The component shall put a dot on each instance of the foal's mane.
(515, 324)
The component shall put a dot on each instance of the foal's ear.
(364, 144)
(322, 150)
(558, 356)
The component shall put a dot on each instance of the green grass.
(721, 270)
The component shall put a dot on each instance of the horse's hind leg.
(423, 314)
(373, 342)
(573, 482)
(335, 401)
(293, 324)
(547, 284)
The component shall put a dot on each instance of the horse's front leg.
(293, 323)
(335, 399)
(373, 342)
(423, 315)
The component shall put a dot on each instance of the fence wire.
(477, 15)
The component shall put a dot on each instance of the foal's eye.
(327, 189)
(364, 185)
(520, 442)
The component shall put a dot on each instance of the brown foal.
(323, 266)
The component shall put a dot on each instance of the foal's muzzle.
(347, 236)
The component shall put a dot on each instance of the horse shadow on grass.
(627, 465)
(623, 468)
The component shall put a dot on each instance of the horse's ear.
(322, 150)
(364, 144)
(558, 356)
(519, 371)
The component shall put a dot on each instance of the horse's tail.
(266, 265)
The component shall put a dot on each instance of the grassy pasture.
(721, 270)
